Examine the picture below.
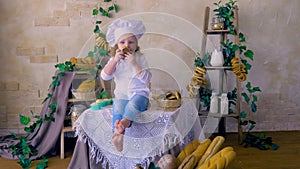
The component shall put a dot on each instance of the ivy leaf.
(13, 134)
(24, 119)
(256, 89)
(90, 54)
(98, 22)
(198, 62)
(26, 149)
(95, 11)
(110, 8)
(39, 122)
(49, 118)
(274, 146)
(96, 30)
(55, 82)
(28, 129)
(103, 95)
(262, 135)
(103, 52)
(251, 127)
(246, 97)
(24, 162)
(243, 114)
(249, 54)
(235, 48)
(248, 86)
(242, 37)
(60, 74)
(48, 97)
(244, 123)
(103, 11)
(252, 122)
(254, 98)
(247, 65)
(42, 164)
(52, 106)
(253, 107)
(116, 8)
(242, 48)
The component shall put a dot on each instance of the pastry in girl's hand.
(126, 50)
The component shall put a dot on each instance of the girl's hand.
(119, 55)
(130, 58)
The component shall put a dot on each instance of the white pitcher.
(217, 58)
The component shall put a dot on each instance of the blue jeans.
(128, 108)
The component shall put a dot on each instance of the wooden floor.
(286, 157)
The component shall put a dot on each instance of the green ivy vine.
(226, 11)
(106, 12)
(24, 150)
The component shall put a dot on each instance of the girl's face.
(129, 41)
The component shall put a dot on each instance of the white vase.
(214, 103)
(224, 103)
(217, 58)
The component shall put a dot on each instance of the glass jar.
(217, 23)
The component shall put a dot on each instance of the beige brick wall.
(33, 42)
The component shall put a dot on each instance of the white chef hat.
(121, 27)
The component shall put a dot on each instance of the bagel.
(201, 69)
(125, 50)
(172, 97)
(168, 94)
(198, 73)
(177, 94)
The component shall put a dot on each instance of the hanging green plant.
(104, 12)
(22, 149)
(226, 12)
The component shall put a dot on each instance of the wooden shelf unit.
(81, 76)
(223, 37)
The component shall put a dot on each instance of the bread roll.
(220, 160)
(200, 150)
(213, 148)
(189, 162)
(188, 149)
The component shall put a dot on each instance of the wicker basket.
(74, 118)
(169, 103)
(84, 95)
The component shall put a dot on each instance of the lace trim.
(98, 154)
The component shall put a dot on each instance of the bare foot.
(119, 131)
(119, 127)
(125, 122)
(117, 140)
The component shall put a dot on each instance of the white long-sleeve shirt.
(127, 81)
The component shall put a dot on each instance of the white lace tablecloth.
(155, 132)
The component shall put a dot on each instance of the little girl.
(131, 75)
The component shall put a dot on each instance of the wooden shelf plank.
(217, 31)
(206, 113)
(81, 72)
(218, 67)
(80, 100)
